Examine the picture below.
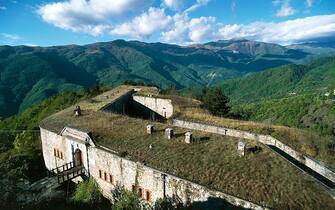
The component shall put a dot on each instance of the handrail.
(62, 168)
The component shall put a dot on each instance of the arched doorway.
(78, 157)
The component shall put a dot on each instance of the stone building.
(98, 143)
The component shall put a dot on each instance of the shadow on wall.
(127, 106)
(215, 204)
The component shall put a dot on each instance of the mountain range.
(31, 74)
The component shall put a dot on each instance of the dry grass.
(303, 141)
(261, 177)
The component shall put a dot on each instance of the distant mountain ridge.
(31, 74)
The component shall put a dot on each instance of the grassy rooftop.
(261, 176)
(306, 142)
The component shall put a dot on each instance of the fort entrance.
(77, 157)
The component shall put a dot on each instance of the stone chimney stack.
(241, 148)
(169, 133)
(150, 129)
(77, 111)
(188, 137)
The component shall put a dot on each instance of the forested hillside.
(316, 77)
(31, 74)
(20, 146)
(292, 95)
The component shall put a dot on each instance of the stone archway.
(78, 159)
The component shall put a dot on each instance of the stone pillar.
(150, 129)
(188, 137)
(241, 148)
(169, 133)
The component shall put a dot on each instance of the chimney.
(150, 129)
(169, 133)
(77, 111)
(188, 137)
(241, 148)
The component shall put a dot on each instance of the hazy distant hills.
(30, 74)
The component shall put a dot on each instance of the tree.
(216, 102)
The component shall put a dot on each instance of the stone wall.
(65, 144)
(265, 139)
(161, 106)
(51, 141)
(119, 105)
(129, 174)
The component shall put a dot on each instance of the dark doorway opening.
(78, 159)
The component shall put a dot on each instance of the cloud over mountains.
(171, 21)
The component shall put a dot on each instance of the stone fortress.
(132, 137)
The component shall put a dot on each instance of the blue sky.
(48, 22)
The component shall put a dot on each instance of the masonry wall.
(265, 139)
(159, 105)
(51, 141)
(123, 172)
(120, 104)
(128, 174)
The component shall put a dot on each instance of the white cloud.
(286, 9)
(3, 8)
(189, 31)
(145, 25)
(176, 33)
(30, 45)
(195, 6)
(286, 32)
(201, 28)
(309, 3)
(10, 37)
(233, 6)
(89, 16)
(174, 4)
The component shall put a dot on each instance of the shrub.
(126, 200)
(216, 102)
(168, 203)
(87, 192)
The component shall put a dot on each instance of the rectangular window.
(105, 176)
(55, 153)
(133, 188)
(100, 174)
(147, 195)
(61, 155)
(110, 178)
(140, 192)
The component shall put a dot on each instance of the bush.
(87, 192)
(168, 203)
(216, 102)
(126, 200)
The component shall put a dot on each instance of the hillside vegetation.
(30, 74)
(20, 145)
(316, 77)
(292, 95)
